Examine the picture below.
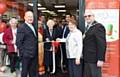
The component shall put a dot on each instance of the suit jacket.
(94, 43)
(26, 41)
(8, 38)
(66, 31)
(55, 34)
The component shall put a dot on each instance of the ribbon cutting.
(55, 45)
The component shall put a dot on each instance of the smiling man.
(94, 46)
(27, 44)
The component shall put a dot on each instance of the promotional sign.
(107, 13)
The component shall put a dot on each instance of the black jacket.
(56, 33)
(26, 41)
(94, 43)
(64, 34)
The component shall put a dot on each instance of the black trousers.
(48, 58)
(91, 70)
(13, 61)
(74, 70)
(65, 61)
(29, 67)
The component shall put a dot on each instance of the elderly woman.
(9, 39)
(49, 36)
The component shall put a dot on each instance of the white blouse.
(74, 44)
(14, 32)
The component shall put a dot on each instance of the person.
(43, 19)
(9, 39)
(3, 52)
(74, 48)
(40, 50)
(49, 36)
(65, 31)
(73, 17)
(94, 46)
(26, 42)
(65, 28)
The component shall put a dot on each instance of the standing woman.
(49, 36)
(74, 47)
(9, 38)
(40, 49)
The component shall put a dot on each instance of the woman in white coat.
(74, 46)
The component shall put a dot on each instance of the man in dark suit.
(65, 26)
(65, 31)
(94, 46)
(26, 42)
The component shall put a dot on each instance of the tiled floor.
(8, 74)
(57, 74)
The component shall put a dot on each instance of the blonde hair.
(50, 23)
(13, 20)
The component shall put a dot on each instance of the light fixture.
(41, 8)
(31, 4)
(52, 12)
(39, 4)
(45, 11)
(59, 6)
(61, 10)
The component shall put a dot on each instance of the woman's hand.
(77, 61)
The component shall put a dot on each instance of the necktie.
(63, 36)
(44, 26)
(87, 27)
(33, 30)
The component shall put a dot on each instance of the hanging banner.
(107, 13)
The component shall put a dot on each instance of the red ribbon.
(55, 44)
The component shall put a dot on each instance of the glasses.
(87, 16)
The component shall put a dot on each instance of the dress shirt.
(14, 32)
(87, 26)
(64, 32)
(31, 27)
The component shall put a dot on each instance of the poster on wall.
(107, 13)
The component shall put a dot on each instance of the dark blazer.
(26, 41)
(7, 38)
(94, 43)
(55, 34)
(66, 31)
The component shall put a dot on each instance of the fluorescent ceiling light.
(39, 4)
(31, 4)
(59, 6)
(45, 11)
(41, 8)
(61, 10)
(52, 12)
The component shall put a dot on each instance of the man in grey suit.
(26, 42)
(94, 46)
